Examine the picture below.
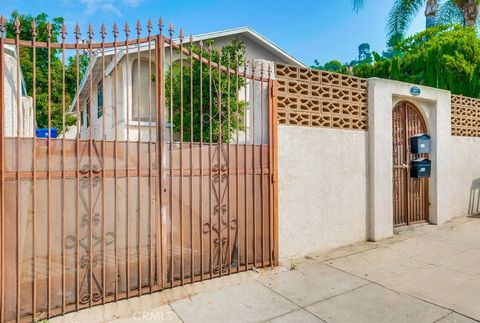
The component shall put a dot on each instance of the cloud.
(132, 3)
(108, 6)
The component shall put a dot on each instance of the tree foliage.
(206, 104)
(402, 13)
(42, 65)
(445, 57)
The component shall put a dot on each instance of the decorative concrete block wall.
(322, 160)
(465, 116)
(313, 98)
(335, 157)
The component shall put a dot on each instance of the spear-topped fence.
(129, 166)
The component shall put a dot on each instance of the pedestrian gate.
(410, 195)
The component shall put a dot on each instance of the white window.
(144, 112)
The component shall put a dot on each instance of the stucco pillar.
(435, 106)
(380, 160)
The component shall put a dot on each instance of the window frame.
(134, 121)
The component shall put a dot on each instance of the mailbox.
(421, 168)
(420, 144)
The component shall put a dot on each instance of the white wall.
(464, 188)
(322, 190)
(435, 106)
(10, 96)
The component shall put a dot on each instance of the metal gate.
(162, 174)
(410, 195)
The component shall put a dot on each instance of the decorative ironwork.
(222, 253)
(91, 237)
(465, 116)
(314, 98)
(410, 195)
(116, 224)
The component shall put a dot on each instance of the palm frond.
(449, 12)
(401, 15)
(358, 5)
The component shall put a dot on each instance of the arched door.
(410, 195)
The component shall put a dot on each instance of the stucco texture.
(322, 189)
(464, 195)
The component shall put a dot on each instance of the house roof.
(253, 35)
(244, 31)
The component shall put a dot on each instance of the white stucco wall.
(435, 106)
(322, 190)
(12, 80)
(464, 187)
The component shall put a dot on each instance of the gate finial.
(149, 26)
(49, 30)
(77, 32)
(34, 28)
(63, 31)
(127, 29)
(171, 30)
(90, 32)
(115, 30)
(139, 28)
(181, 35)
(160, 25)
(17, 26)
(103, 32)
(2, 24)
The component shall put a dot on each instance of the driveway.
(423, 274)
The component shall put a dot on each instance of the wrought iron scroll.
(219, 227)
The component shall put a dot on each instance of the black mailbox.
(420, 144)
(421, 168)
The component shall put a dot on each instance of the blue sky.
(308, 29)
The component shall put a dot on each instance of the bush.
(445, 57)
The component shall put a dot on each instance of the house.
(11, 80)
(257, 48)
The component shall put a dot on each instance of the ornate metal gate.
(163, 172)
(410, 195)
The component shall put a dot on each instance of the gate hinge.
(274, 177)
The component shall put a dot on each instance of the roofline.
(258, 36)
(204, 36)
(229, 32)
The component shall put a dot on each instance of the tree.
(43, 27)
(332, 66)
(464, 12)
(182, 74)
(450, 11)
(402, 13)
(445, 57)
(364, 54)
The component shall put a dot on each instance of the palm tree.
(447, 11)
(402, 13)
(461, 11)
(470, 11)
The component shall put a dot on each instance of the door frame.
(404, 209)
(435, 106)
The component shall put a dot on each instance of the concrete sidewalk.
(424, 274)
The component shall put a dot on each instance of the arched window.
(140, 91)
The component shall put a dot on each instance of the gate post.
(160, 216)
(2, 173)
(273, 86)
